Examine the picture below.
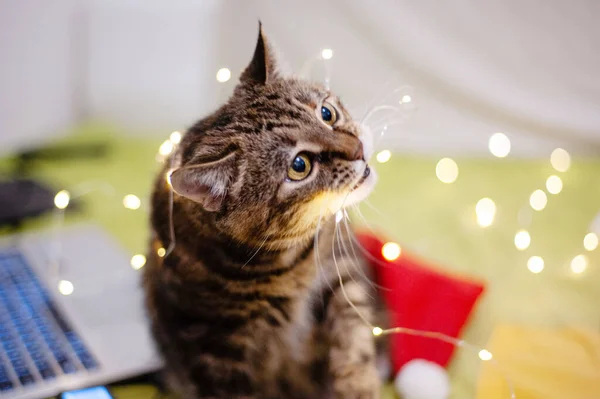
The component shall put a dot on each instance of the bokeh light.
(554, 184)
(522, 240)
(406, 99)
(579, 264)
(327, 53)
(535, 264)
(166, 148)
(62, 199)
(383, 156)
(161, 252)
(538, 200)
(391, 251)
(131, 201)
(560, 160)
(175, 137)
(499, 145)
(485, 355)
(377, 331)
(485, 211)
(138, 261)
(446, 170)
(223, 75)
(590, 241)
(65, 287)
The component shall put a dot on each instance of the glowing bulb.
(223, 75)
(499, 145)
(65, 287)
(554, 184)
(579, 264)
(535, 264)
(446, 170)
(132, 202)
(405, 99)
(138, 261)
(327, 53)
(339, 216)
(485, 355)
(391, 251)
(590, 241)
(161, 252)
(383, 156)
(485, 211)
(166, 148)
(62, 199)
(538, 200)
(522, 240)
(560, 160)
(377, 331)
(175, 137)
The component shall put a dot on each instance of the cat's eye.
(300, 167)
(328, 113)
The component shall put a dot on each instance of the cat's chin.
(362, 189)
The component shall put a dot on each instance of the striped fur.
(249, 303)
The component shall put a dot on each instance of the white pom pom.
(422, 379)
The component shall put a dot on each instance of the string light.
(62, 199)
(560, 160)
(485, 211)
(377, 331)
(131, 201)
(554, 184)
(522, 240)
(327, 53)
(485, 355)
(446, 170)
(590, 241)
(383, 156)
(499, 145)
(391, 251)
(166, 148)
(175, 137)
(138, 261)
(579, 264)
(223, 75)
(538, 200)
(65, 287)
(161, 252)
(535, 264)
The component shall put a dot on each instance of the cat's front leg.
(352, 358)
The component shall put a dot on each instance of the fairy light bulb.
(391, 251)
(406, 99)
(377, 331)
(131, 201)
(522, 240)
(560, 160)
(446, 170)
(65, 287)
(138, 261)
(175, 137)
(62, 199)
(327, 53)
(590, 241)
(485, 211)
(223, 75)
(499, 145)
(535, 264)
(166, 148)
(161, 252)
(485, 355)
(554, 184)
(383, 156)
(538, 200)
(579, 264)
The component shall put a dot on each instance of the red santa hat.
(422, 298)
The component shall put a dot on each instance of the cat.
(253, 301)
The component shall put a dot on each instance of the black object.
(21, 199)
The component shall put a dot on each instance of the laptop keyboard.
(36, 342)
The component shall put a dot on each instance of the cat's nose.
(359, 154)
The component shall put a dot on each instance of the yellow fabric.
(542, 364)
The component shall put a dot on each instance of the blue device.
(88, 393)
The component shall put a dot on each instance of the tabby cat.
(254, 299)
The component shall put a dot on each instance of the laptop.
(93, 333)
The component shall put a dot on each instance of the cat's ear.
(264, 65)
(205, 183)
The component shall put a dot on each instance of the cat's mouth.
(364, 177)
